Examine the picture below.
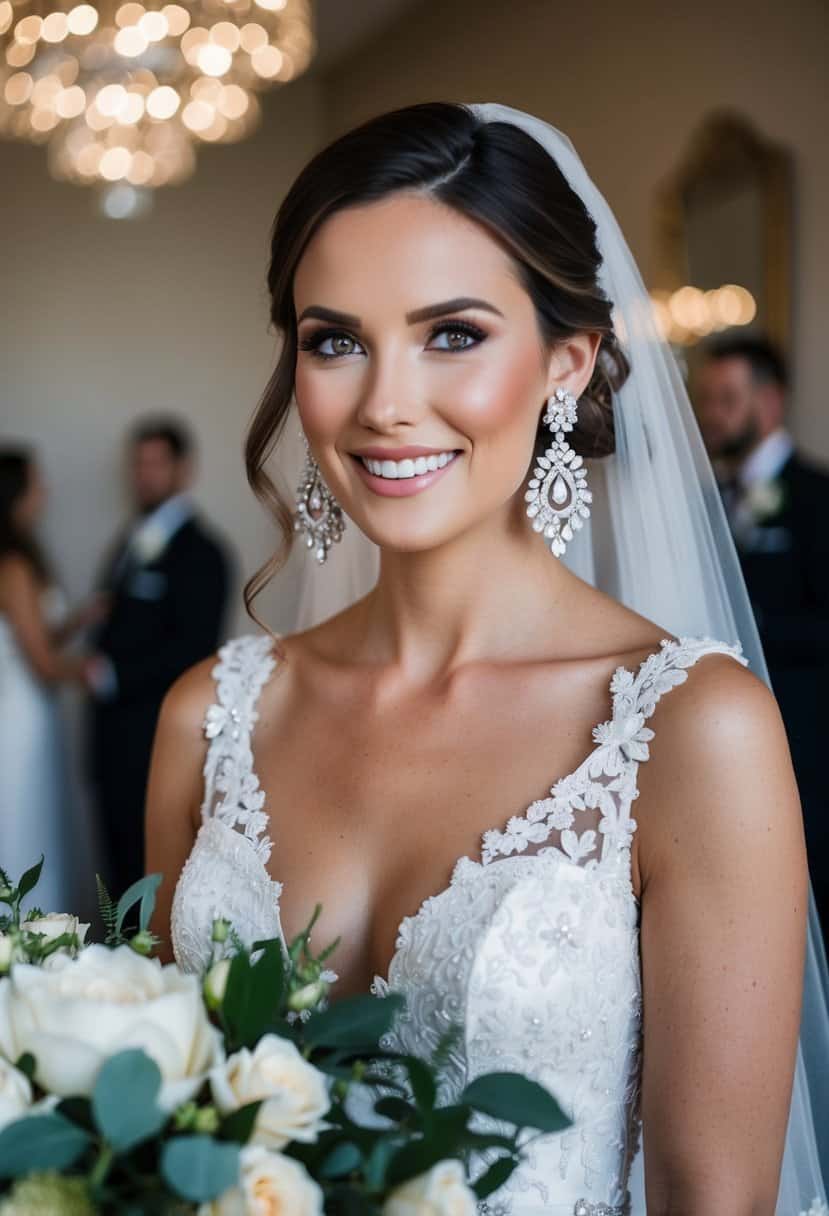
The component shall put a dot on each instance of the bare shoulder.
(721, 712)
(187, 701)
(17, 573)
(719, 777)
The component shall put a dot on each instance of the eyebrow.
(459, 304)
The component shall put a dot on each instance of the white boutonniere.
(150, 541)
(765, 499)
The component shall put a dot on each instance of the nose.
(389, 396)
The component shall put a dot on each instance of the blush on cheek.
(502, 399)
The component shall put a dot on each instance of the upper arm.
(174, 790)
(724, 894)
(21, 603)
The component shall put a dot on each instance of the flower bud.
(215, 983)
(307, 997)
(221, 929)
(206, 1120)
(143, 942)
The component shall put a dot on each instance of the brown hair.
(492, 172)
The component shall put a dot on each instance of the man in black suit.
(167, 580)
(778, 507)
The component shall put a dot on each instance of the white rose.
(293, 1093)
(443, 1191)
(54, 924)
(269, 1185)
(15, 1093)
(82, 1010)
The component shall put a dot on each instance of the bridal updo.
(491, 172)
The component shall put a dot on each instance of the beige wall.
(629, 83)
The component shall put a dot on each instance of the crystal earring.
(557, 497)
(318, 514)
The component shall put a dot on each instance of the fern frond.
(108, 908)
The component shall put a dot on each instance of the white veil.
(658, 541)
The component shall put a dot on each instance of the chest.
(371, 805)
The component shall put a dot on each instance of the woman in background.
(34, 628)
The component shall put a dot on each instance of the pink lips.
(401, 487)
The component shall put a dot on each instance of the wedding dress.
(532, 950)
(34, 803)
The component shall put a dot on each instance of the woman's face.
(419, 347)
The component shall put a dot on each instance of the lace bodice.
(532, 949)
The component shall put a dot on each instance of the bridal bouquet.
(130, 1087)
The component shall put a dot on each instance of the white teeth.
(394, 469)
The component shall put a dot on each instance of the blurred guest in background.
(778, 508)
(167, 579)
(35, 805)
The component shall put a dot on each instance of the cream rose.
(74, 1015)
(269, 1185)
(443, 1191)
(293, 1093)
(15, 1093)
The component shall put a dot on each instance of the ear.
(571, 363)
(771, 404)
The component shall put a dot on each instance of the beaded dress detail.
(533, 949)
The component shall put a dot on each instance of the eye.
(330, 344)
(458, 335)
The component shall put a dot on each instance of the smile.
(400, 478)
(394, 469)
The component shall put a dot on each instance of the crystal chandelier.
(124, 93)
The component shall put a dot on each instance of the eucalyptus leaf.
(40, 1142)
(515, 1099)
(377, 1162)
(343, 1159)
(144, 890)
(199, 1168)
(124, 1100)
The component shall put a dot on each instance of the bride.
(452, 763)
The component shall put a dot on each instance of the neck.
(493, 592)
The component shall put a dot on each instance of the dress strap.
(231, 787)
(636, 694)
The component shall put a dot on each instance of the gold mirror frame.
(727, 151)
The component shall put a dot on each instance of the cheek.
(501, 402)
(324, 401)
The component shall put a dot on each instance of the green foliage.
(516, 1099)
(355, 1022)
(199, 1168)
(40, 1142)
(253, 996)
(108, 909)
(124, 1124)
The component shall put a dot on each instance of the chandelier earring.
(319, 517)
(557, 498)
